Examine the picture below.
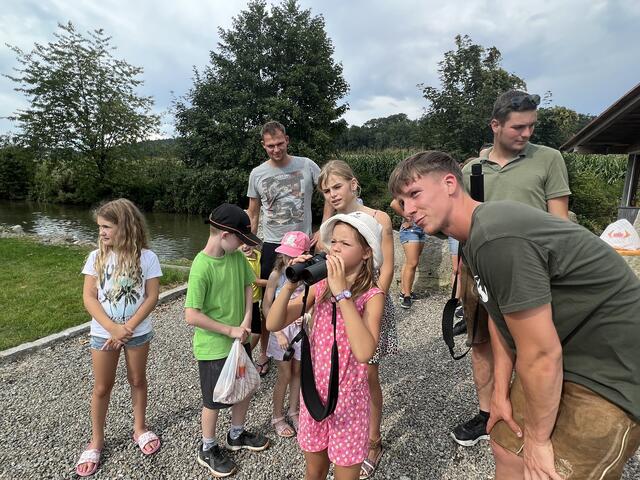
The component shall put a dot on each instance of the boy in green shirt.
(218, 305)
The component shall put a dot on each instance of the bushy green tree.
(16, 169)
(558, 124)
(459, 111)
(394, 131)
(273, 64)
(82, 100)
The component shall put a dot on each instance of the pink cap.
(294, 244)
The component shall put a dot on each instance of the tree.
(471, 79)
(557, 124)
(273, 64)
(82, 99)
(394, 131)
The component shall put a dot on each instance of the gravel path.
(44, 422)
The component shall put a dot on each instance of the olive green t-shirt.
(523, 258)
(536, 175)
(216, 288)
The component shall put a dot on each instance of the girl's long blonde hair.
(339, 168)
(366, 279)
(128, 242)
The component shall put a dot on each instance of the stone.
(434, 267)
(17, 229)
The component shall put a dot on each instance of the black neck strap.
(312, 400)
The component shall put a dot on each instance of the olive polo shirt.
(535, 175)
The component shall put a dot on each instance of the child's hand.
(335, 274)
(239, 332)
(283, 341)
(121, 333)
(112, 344)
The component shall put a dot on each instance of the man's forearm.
(541, 378)
(503, 360)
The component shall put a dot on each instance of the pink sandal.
(90, 455)
(146, 438)
(282, 428)
(294, 419)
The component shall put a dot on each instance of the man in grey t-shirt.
(563, 311)
(280, 192)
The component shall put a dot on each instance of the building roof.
(616, 130)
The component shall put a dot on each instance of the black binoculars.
(310, 272)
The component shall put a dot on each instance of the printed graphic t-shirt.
(121, 301)
(285, 194)
(523, 258)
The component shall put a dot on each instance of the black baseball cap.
(231, 218)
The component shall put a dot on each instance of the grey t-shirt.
(523, 258)
(285, 194)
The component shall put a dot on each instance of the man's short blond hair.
(420, 164)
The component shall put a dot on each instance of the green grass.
(41, 289)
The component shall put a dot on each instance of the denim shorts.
(453, 245)
(98, 342)
(413, 234)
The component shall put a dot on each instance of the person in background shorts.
(412, 238)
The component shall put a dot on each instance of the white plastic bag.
(621, 235)
(238, 378)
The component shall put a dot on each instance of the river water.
(172, 235)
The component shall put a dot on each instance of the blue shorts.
(453, 245)
(413, 234)
(98, 342)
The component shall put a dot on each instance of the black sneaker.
(406, 302)
(217, 461)
(471, 432)
(251, 441)
(460, 328)
(413, 296)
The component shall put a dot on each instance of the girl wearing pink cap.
(293, 245)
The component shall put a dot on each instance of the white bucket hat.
(368, 227)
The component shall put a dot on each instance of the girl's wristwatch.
(342, 295)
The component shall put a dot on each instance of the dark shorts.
(209, 371)
(592, 437)
(256, 320)
(267, 259)
(473, 309)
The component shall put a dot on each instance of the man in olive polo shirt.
(514, 169)
(564, 308)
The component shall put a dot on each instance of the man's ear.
(494, 124)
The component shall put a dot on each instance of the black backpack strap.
(312, 401)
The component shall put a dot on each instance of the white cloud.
(584, 52)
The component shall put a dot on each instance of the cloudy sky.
(585, 52)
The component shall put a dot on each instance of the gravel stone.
(44, 400)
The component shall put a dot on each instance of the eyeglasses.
(519, 101)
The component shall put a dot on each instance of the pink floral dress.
(345, 433)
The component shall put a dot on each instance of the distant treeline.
(153, 175)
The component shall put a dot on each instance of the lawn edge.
(26, 348)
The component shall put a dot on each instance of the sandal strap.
(276, 420)
(375, 444)
(91, 455)
(367, 468)
(146, 438)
